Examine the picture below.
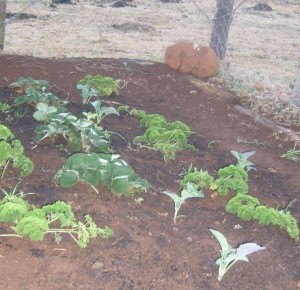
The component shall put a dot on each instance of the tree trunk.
(2, 22)
(221, 23)
(295, 96)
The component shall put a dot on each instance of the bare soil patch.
(147, 250)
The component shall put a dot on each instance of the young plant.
(95, 169)
(229, 255)
(189, 192)
(200, 178)
(25, 83)
(44, 112)
(292, 154)
(243, 205)
(13, 208)
(35, 223)
(232, 177)
(81, 134)
(87, 92)
(4, 108)
(100, 112)
(243, 161)
(11, 149)
(249, 208)
(83, 232)
(104, 86)
(34, 96)
(139, 114)
(165, 137)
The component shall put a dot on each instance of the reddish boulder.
(188, 58)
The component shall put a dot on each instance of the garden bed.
(147, 250)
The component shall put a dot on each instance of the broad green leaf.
(191, 191)
(221, 239)
(67, 178)
(248, 248)
(230, 256)
(242, 159)
(43, 111)
(94, 169)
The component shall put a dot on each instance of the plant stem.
(11, 235)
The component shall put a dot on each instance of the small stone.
(214, 195)
(97, 265)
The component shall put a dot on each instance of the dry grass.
(263, 52)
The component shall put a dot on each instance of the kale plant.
(13, 208)
(249, 208)
(163, 136)
(98, 85)
(232, 177)
(200, 178)
(35, 223)
(11, 149)
(243, 205)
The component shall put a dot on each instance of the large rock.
(188, 58)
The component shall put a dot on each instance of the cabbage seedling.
(243, 161)
(189, 192)
(229, 255)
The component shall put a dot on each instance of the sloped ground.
(147, 250)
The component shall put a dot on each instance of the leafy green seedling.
(34, 223)
(229, 255)
(100, 112)
(81, 134)
(242, 159)
(12, 208)
(232, 177)
(4, 108)
(249, 208)
(43, 112)
(25, 83)
(163, 136)
(189, 192)
(200, 178)
(105, 86)
(87, 92)
(95, 169)
(11, 149)
(292, 154)
(34, 96)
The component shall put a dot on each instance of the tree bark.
(2, 22)
(221, 24)
(295, 96)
